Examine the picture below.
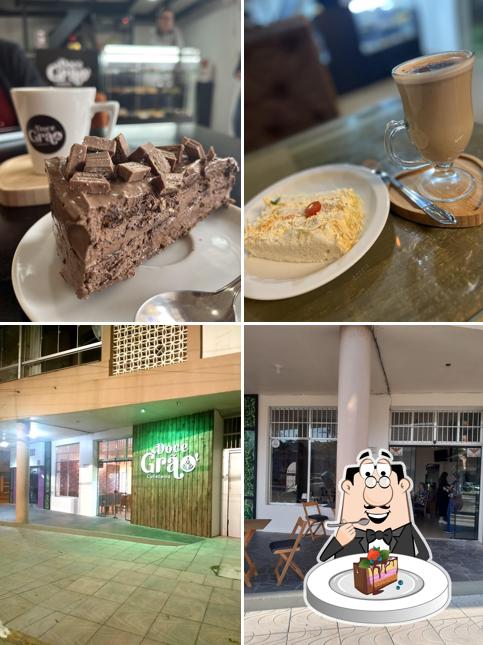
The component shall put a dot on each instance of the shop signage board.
(68, 68)
(176, 481)
(169, 460)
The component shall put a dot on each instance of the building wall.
(86, 503)
(283, 516)
(91, 386)
(219, 340)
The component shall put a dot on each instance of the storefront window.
(114, 478)
(303, 454)
(67, 470)
(115, 449)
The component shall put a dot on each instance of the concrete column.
(22, 474)
(353, 394)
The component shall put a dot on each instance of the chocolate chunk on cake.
(113, 209)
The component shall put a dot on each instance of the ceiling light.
(143, 410)
(3, 444)
(33, 434)
(33, 418)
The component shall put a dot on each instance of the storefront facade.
(316, 400)
(76, 456)
(298, 436)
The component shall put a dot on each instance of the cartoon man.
(376, 510)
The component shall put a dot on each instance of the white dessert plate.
(425, 590)
(269, 280)
(205, 259)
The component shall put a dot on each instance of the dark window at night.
(8, 353)
(67, 470)
(46, 340)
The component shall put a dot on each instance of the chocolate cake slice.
(113, 209)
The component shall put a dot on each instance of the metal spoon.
(191, 306)
(436, 213)
(363, 522)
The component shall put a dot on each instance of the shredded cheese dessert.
(306, 228)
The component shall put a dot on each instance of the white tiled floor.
(460, 624)
(73, 590)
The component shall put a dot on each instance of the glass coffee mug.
(54, 118)
(436, 96)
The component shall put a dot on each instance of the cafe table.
(411, 273)
(251, 527)
(14, 222)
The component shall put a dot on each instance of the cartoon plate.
(377, 568)
(423, 589)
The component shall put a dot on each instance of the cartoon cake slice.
(376, 571)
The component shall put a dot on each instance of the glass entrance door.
(114, 498)
(446, 491)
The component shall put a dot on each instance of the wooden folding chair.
(314, 520)
(286, 550)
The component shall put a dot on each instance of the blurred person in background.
(237, 110)
(166, 32)
(336, 27)
(16, 70)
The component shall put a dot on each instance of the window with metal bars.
(303, 454)
(232, 432)
(436, 426)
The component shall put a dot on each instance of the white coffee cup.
(54, 118)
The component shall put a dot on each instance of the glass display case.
(151, 83)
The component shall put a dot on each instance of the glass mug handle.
(393, 128)
(112, 108)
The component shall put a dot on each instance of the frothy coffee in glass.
(436, 95)
(438, 116)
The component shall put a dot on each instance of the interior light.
(143, 410)
(33, 418)
(33, 434)
(3, 444)
(359, 6)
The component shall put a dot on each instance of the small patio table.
(251, 527)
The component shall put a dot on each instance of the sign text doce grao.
(168, 460)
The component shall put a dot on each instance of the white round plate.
(426, 589)
(270, 280)
(205, 260)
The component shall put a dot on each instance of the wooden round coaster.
(20, 186)
(468, 211)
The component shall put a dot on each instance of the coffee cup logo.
(45, 134)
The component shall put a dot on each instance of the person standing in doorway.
(455, 501)
(443, 497)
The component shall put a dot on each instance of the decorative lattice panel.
(142, 347)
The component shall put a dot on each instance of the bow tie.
(379, 535)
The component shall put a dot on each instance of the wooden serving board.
(20, 186)
(468, 211)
